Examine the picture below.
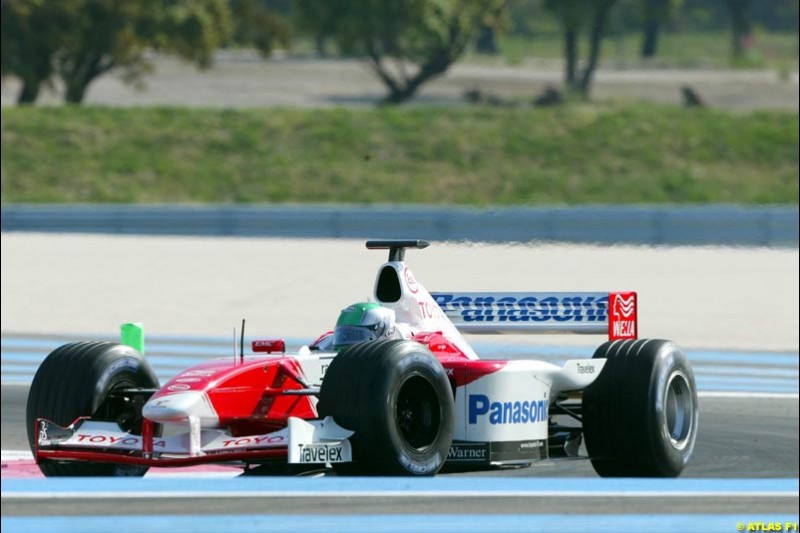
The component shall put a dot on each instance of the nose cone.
(179, 407)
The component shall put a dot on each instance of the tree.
(574, 15)
(406, 43)
(80, 40)
(259, 23)
(318, 20)
(741, 26)
(29, 41)
(105, 36)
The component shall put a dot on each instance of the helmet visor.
(346, 335)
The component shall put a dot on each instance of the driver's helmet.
(363, 322)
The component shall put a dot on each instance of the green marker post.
(132, 334)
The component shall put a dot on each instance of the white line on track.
(193, 475)
(12, 457)
(16, 455)
(736, 394)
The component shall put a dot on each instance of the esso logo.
(411, 282)
(179, 387)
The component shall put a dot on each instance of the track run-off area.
(735, 311)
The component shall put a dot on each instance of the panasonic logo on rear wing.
(612, 313)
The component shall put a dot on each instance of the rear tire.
(75, 380)
(396, 398)
(640, 416)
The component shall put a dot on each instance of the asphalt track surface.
(739, 438)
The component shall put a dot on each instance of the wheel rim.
(127, 415)
(679, 410)
(418, 413)
(119, 410)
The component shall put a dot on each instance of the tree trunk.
(741, 26)
(320, 42)
(76, 92)
(29, 92)
(596, 39)
(79, 71)
(402, 93)
(399, 93)
(570, 56)
(655, 13)
(486, 43)
(650, 40)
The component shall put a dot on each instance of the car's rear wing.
(611, 313)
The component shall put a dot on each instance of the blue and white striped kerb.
(313, 490)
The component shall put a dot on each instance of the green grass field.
(772, 50)
(478, 156)
(676, 50)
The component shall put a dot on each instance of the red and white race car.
(408, 405)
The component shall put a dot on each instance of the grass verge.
(477, 156)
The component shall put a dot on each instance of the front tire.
(640, 416)
(77, 380)
(396, 397)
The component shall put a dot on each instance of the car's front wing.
(301, 441)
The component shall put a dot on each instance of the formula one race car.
(395, 389)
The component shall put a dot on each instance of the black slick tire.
(75, 380)
(396, 398)
(640, 416)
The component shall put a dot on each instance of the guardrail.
(773, 226)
